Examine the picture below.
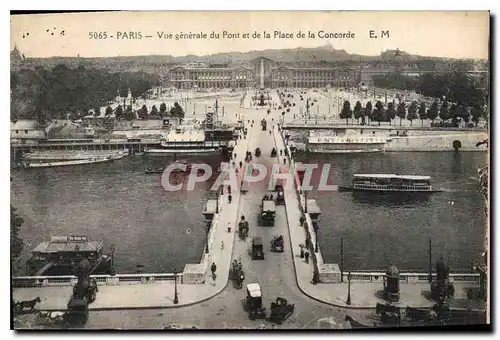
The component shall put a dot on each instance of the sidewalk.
(160, 294)
(363, 295)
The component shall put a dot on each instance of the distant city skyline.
(452, 34)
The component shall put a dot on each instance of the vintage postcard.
(250, 170)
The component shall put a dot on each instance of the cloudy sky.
(442, 34)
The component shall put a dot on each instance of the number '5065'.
(98, 35)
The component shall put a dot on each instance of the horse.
(356, 324)
(21, 305)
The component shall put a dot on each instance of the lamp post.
(176, 298)
(217, 203)
(349, 289)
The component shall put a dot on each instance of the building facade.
(261, 72)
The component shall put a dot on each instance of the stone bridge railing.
(107, 280)
(370, 277)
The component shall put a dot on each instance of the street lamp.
(176, 298)
(349, 277)
(217, 202)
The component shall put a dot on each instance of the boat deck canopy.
(393, 176)
(68, 244)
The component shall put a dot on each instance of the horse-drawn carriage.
(236, 274)
(257, 152)
(268, 212)
(277, 244)
(257, 248)
(280, 310)
(280, 193)
(253, 303)
(84, 293)
(243, 228)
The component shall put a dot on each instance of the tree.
(401, 112)
(390, 113)
(346, 112)
(432, 113)
(119, 112)
(177, 111)
(154, 111)
(378, 112)
(358, 113)
(97, 112)
(16, 242)
(477, 113)
(129, 113)
(422, 112)
(143, 112)
(163, 108)
(412, 112)
(461, 112)
(368, 110)
(109, 110)
(444, 113)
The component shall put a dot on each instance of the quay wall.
(437, 142)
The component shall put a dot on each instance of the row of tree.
(457, 87)
(44, 94)
(413, 112)
(143, 113)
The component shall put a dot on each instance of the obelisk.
(262, 74)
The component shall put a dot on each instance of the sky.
(451, 34)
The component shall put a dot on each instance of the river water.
(152, 229)
(379, 231)
(155, 230)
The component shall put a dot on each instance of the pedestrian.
(229, 198)
(235, 155)
(307, 256)
(229, 227)
(284, 160)
(229, 189)
(222, 245)
(213, 268)
(281, 152)
(301, 251)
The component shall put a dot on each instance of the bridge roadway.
(275, 274)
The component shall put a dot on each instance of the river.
(381, 231)
(153, 230)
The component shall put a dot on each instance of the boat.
(390, 183)
(70, 155)
(61, 254)
(330, 142)
(178, 168)
(27, 165)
